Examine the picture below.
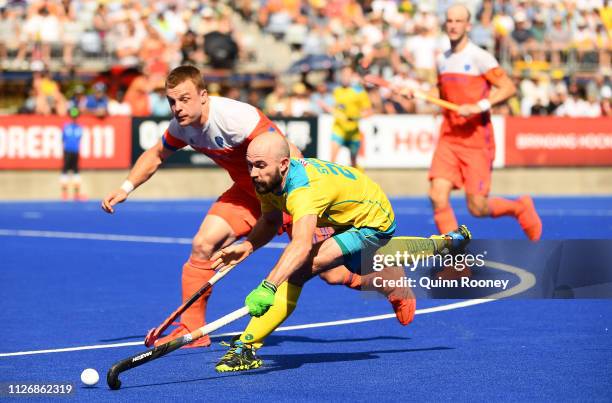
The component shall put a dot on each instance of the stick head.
(112, 379)
(151, 337)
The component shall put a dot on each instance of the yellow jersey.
(338, 195)
(350, 102)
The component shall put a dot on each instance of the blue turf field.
(60, 289)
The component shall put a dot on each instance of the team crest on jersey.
(219, 141)
(467, 67)
(303, 162)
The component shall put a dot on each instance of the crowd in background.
(557, 51)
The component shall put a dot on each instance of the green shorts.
(357, 242)
(350, 140)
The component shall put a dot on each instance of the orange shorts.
(466, 167)
(241, 209)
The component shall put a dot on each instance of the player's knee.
(320, 264)
(438, 198)
(477, 208)
(202, 248)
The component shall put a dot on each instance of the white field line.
(527, 280)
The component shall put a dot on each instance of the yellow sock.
(285, 301)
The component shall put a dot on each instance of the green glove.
(260, 299)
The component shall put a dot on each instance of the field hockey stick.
(381, 82)
(112, 377)
(154, 333)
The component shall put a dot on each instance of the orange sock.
(352, 280)
(445, 219)
(499, 207)
(196, 273)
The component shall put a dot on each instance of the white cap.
(520, 16)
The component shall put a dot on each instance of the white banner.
(399, 141)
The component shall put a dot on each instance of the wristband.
(268, 285)
(127, 186)
(484, 105)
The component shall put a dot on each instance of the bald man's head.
(457, 23)
(270, 144)
(459, 10)
(268, 161)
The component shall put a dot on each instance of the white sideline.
(108, 237)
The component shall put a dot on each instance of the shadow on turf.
(284, 362)
(274, 340)
(291, 361)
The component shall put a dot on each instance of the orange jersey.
(230, 128)
(465, 77)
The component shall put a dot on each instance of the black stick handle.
(112, 377)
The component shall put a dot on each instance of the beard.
(275, 182)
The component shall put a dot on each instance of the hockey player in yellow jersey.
(315, 193)
(351, 103)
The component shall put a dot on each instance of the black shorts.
(71, 162)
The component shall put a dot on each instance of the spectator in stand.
(576, 104)
(78, 99)
(299, 101)
(603, 45)
(421, 51)
(538, 34)
(254, 98)
(233, 93)
(371, 34)
(277, 102)
(9, 34)
(486, 9)
(117, 105)
(584, 42)
(153, 47)
(482, 33)
(214, 89)
(128, 46)
(102, 23)
(97, 103)
(522, 37)
(393, 102)
(47, 94)
(71, 30)
(321, 99)
(276, 16)
(535, 94)
(137, 96)
(558, 39)
(191, 49)
(158, 101)
(223, 45)
(43, 29)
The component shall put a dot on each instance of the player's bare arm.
(264, 231)
(297, 252)
(503, 89)
(146, 165)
